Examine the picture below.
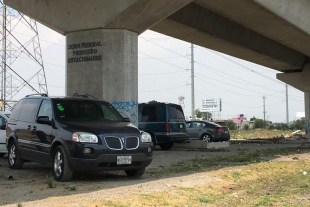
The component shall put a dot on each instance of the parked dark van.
(165, 122)
(75, 133)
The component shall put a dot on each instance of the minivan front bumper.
(108, 162)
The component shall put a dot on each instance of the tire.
(166, 146)
(61, 169)
(206, 138)
(135, 173)
(153, 140)
(2, 154)
(14, 160)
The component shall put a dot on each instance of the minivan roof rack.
(38, 94)
(84, 96)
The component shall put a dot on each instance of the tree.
(203, 115)
(260, 123)
(231, 125)
(298, 124)
(246, 127)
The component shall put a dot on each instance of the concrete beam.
(298, 80)
(71, 15)
(144, 14)
(284, 21)
(76, 15)
(196, 24)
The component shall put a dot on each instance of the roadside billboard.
(214, 104)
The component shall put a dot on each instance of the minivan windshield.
(86, 110)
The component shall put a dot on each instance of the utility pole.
(192, 81)
(264, 97)
(3, 74)
(287, 117)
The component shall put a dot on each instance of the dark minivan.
(75, 134)
(165, 122)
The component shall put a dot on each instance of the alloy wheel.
(12, 155)
(58, 163)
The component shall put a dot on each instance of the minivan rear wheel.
(167, 146)
(14, 161)
(61, 169)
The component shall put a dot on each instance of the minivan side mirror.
(126, 119)
(43, 120)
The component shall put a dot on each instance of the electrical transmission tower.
(22, 69)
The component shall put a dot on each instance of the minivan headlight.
(146, 137)
(84, 137)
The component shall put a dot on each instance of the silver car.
(207, 131)
(4, 116)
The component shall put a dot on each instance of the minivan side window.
(16, 110)
(148, 114)
(29, 110)
(46, 109)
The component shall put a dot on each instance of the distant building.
(241, 121)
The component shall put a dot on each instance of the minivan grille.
(116, 143)
(132, 142)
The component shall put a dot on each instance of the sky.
(164, 74)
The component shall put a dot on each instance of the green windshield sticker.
(60, 108)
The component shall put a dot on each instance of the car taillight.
(219, 129)
(167, 126)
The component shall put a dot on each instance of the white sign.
(211, 104)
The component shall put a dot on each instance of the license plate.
(123, 160)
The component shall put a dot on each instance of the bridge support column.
(307, 113)
(300, 80)
(104, 64)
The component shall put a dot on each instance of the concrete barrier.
(199, 144)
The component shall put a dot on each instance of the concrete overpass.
(102, 38)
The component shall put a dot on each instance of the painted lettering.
(74, 46)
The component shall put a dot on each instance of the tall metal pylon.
(22, 69)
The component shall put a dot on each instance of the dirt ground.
(29, 188)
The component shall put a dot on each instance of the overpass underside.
(273, 33)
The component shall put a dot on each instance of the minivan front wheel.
(14, 161)
(61, 169)
(167, 146)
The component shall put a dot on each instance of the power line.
(221, 71)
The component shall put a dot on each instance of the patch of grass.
(250, 182)
(205, 200)
(50, 181)
(71, 187)
(260, 134)
(236, 175)
(19, 204)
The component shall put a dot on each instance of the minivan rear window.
(175, 112)
(29, 111)
(16, 110)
